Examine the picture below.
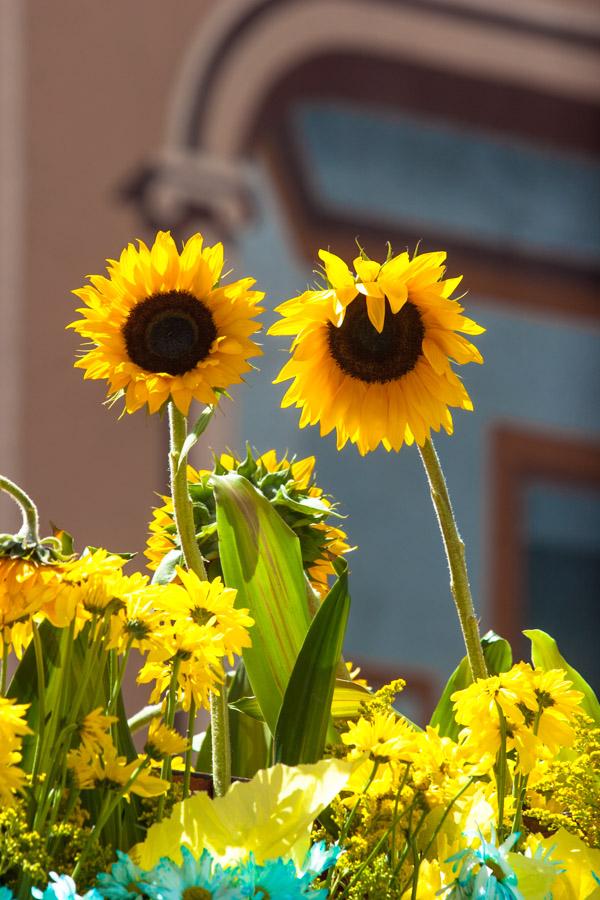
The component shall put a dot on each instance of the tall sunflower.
(163, 327)
(371, 351)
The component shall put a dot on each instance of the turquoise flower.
(6, 893)
(277, 878)
(121, 883)
(319, 858)
(62, 887)
(194, 879)
(484, 873)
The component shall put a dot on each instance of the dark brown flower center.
(196, 893)
(169, 333)
(360, 351)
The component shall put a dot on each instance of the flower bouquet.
(303, 781)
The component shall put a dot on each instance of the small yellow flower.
(91, 768)
(198, 650)
(163, 741)
(213, 602)
(139, 619)
(12, 729)
(89, 579)
(24, 588)
(95, 731)
(512, 691)
(385, 738)
(559, 705)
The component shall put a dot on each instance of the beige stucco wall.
(95, 80)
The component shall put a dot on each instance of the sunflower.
(163, 327)
(371, 351)
(288, 484)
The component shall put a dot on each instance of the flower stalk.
(184, 520)
(30, 529)
(455, 553)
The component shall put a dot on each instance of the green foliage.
(261, 558)
(306, 710)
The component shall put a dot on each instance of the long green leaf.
(261, 558)
(498, 658)
(306, 710)
(348, 697)
(546, 655)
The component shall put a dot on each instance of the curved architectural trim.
(246, 46)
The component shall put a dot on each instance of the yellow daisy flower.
(560, 707)
(371, 352)
(137, 622)
(163, 327)
(212, 604)
(163, 741)
(512, 691)
(94, 731)
(12, 729)
(199, 652)
(89, 579)
(90, 768)
(24, 588)
(384, 737)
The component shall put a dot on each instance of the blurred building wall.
(84, 90)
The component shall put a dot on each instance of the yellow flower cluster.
(12, 729)
(537, 710)
(200, 627)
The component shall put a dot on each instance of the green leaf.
(347, 701)
(261, 559)
(195, 434)
(250, 739)
(165, 572)
(306, 711)
(312, 505)
(546, 655)
(498, 658)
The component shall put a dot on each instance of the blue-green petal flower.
(121, 883)
(320, 858)
(484, 873)
(277, 878)
(169, 881)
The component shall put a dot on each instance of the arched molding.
(246, 53)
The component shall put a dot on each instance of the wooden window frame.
(519, 458)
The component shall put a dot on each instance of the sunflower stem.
(455, 553)
(184, 520)
(30, 528)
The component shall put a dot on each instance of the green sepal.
(194, 436)
(310, 505)
(498, 658)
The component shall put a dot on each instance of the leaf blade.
(306, 709)
(261, 559)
